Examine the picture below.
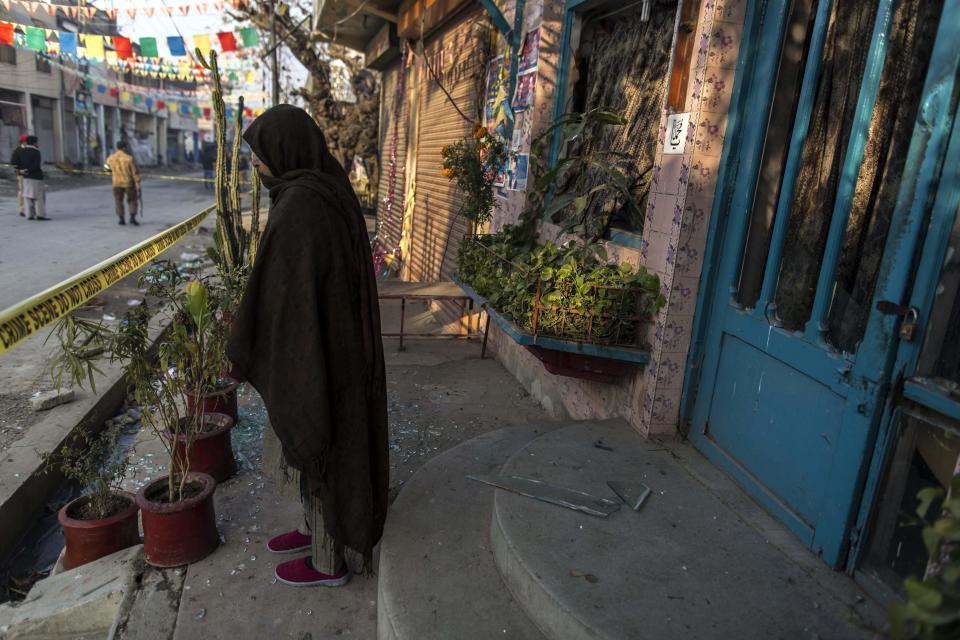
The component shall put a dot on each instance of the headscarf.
(307, 333)
(293, 147)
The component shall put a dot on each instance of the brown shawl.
(307, 334)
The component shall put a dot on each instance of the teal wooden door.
(835, 144)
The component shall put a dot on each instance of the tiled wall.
(678, 211)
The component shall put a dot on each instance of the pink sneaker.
(289, 542)
(300, 573)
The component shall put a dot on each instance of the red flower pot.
(222, 401)
(178, 533)
(89, 540)
(211, 452)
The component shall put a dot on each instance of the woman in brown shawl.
(307, 337)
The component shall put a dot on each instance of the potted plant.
(177, 510)
(179, 524)
(578, 314)
(234, 250)
(103, 519)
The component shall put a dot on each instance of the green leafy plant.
(188, 361)
(931, 610)
(474, 163)
(568, 291)
(236, 245)
(570, 209)
(90, 459)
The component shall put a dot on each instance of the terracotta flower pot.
(222, 401)
(178, 533)
(211, 452)
(89, 540)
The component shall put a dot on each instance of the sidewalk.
(440, 394)
(462, 561)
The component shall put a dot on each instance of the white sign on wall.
(676, 139)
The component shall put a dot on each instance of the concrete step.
(437, 577)
(698, 560)
(84, 603)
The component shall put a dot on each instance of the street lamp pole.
(275, 54)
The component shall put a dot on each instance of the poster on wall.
(522, 130)
(517, 173)
(492, 86)
(500, 180)
(526, 90)
(530, 52)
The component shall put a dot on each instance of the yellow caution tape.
(143, 176)
(19, 322)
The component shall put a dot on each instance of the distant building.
(68, 105)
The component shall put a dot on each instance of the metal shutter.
(456, 55)
(393, 119)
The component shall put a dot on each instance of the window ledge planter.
(602, 363)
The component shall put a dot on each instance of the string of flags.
(88, 11)
(185, 103)
(100, 47)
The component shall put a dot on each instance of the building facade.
(67, 105)
(797, 165)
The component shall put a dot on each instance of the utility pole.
(275, 54)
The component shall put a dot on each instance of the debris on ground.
(44, 400)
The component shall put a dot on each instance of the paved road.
(35, 255)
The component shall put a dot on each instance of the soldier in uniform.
(126, 181)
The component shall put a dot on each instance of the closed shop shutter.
(456, 54)
(393, 157)
(43, 127)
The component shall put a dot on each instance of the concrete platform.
(81, 604)
(700, 560)
(437, 575)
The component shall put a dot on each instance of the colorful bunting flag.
(68, 43)
(6, 33)
(123, 46)
(250, 36)
(176, 46)
(148, 48)
(94, 46)
(36, 39)
(227, 41)
(201, 41)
